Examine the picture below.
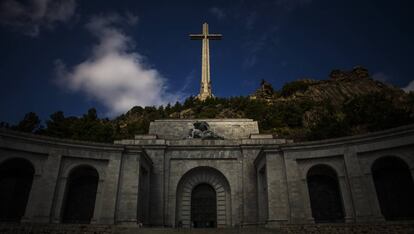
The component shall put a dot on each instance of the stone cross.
(205, 89)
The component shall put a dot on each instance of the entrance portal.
(80, 195)
(203, 199)
(325, 195)
(395, 188)
(203, 207)
(16, 177)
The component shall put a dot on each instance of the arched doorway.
(203, 199)
(16, 177)
(80, 195)
(395, 188)
(203, 207)
(325, 195)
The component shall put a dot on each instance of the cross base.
(204, 96)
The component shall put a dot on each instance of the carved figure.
(202, 130)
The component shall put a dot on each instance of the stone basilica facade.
(208, 173)
(239, 177)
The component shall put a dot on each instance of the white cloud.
(409, 87)
(113, 74)
(217, 12)
(28, 18)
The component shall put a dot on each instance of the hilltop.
(346, 103)
(338, 88)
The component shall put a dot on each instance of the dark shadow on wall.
(325, 195)
(203, 206)
(80, 196)
(395, 188)
(16, 177)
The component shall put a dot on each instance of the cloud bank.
(32, 15)
(113, 74)
(409, 87)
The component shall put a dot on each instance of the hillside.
(338, 88)
(346, 103)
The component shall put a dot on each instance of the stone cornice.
(268, 145)
(6, 134)
(398, 132)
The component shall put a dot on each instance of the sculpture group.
(202, 130)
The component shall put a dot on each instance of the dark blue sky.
(72, 55)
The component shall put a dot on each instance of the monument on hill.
(205, 87)
(208, 173)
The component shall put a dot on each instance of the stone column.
(308, 216)
(278, 212)
(108, 190)
(39, 206)
(34, 197)
(248, 184)
(128, 195)
(58, 199)
(158, 201)
(373, 198)
(366, 206)
(300, 210)
(98, 203)
(346, 199)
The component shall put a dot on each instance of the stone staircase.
(10, 228)
(250, 230)
(406, 227)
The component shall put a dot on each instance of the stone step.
(114, 229)
(326, 228)
(257, 230)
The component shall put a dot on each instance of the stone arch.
(16, 178)
(67, 169)
(325, 194)
(80, 195)
(209, 176)
(395, 188)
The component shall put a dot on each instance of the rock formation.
(340, 86)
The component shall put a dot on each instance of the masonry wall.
(175, 158)
(54, 159)
(351, 158)
(225, 161)
(126, 196)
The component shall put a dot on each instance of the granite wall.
(351, 158)
(266, 178)
(53, 159)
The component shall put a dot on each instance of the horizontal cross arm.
(214, 36)
(196, 36)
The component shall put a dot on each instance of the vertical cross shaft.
(205, 89)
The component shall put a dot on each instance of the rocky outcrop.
(341, 86)
(265, 92)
